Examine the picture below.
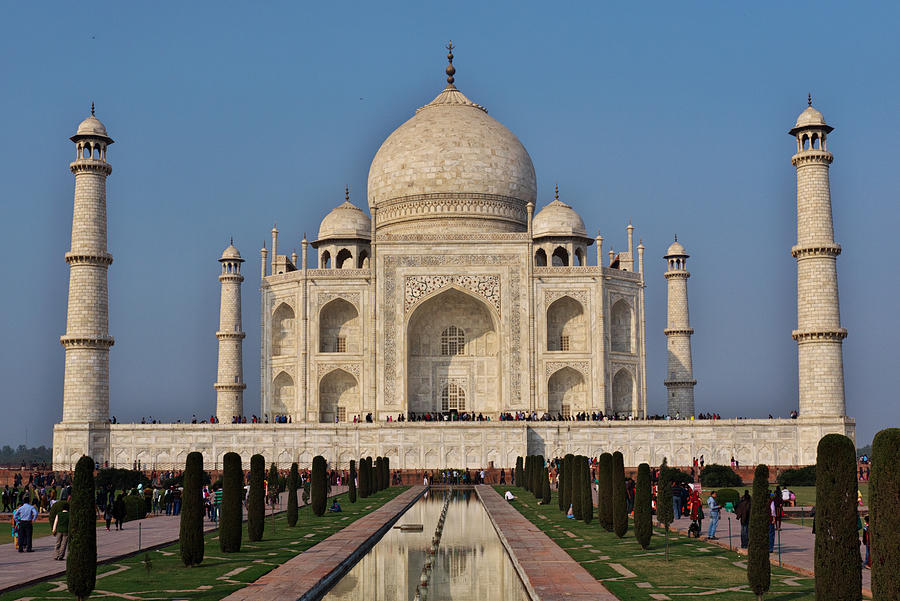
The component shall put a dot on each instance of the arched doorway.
(451, 338)
(338, 397)
(566, 393)
(623, 392)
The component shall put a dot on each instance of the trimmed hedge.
(191, 526)
(759, 571)
(231, 516)
(643, 519)
(577, 487)
(805, 476)
(317, 485)
(539, 471)
(838, 570)
(560, 486)
(728, 495)
(604, 495)
(545, 488)
(135, 508)
(619, 504)
(386, 462)
(273, 484)
(587, 498)
(256, 502)
(569, 482)
(664, 510)
(81, 563)
(715, 475)
(363, 479)
(884, 525)
(352, 491)
(293, 483)
(520, 472)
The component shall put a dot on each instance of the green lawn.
(220, 574)
(695, 570)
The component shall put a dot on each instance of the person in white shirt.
(509, 496)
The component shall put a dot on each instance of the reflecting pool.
(470, 563)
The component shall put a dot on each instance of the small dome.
(810, 117)
(230, 253)
(346, 221)
(91, 127)
(558, 219)
(676, 250)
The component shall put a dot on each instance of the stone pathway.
(316, 569)
(550, 572)
(797, 545)
(20, 569)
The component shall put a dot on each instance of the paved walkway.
(20, 569)
(548, 570)
(797, 545)
(316, 569)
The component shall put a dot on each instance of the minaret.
(819, 334)
(87, 339)
(230, 383)
(680, 380)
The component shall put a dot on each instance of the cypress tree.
(293, 483)
(664, 509)
(526, 476)
(363, 479)
(569, 482)
(539, 472)
(884, 524)
(376, 475)
(759, 571)
(272, 484)
(587, 492)
(604, 495)
(619, 504)
(352, 492)
(370, 477)
(643, 525)
(560, 486)
(577, 487)
(231, 518)
(256, 501)
(81, 564)
(545, 488)
(191, 526)
(380, 468)
(838, 568)
(520, 472)
(386, 463)
(317, 485)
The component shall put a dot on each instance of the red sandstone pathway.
(17, 569)
(551, 573)
(301, 574)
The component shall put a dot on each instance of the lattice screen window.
(567, 411)
(453, 397)
(563, 343)
(340, 344)
(341, 414)
(453, 341)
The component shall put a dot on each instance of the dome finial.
(556, 192)
(450, 68)
(347, 193)
(231, 241)
(92, 108)
(809, 99)
(676, 237)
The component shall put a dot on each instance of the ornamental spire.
(451, 70)
(92, 108)
(347, 193)
(556, 192)
(809, 99)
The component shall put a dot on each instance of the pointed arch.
(566, 329)
(344, 259)
(623, 392)
(339, 327)
(283, 394)
(325, 260)
(363, 261)
(560, 257)
(622, 330)
(566, 392)
(338, 397)
(540, 258)
(283, 330)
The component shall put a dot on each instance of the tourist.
(772, 514)
(335, 507)
(570, 514)
(695, 509)
(118, 512)
(24, 518)
(676, 500)
(509, 496)
(714, 508)
(778, 501)
(865, 540)
(742, 511)
(60, 529)
(502, 476)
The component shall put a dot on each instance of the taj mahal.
(461, 297)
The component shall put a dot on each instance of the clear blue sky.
(229, 117)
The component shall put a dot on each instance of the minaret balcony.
(835, 335)
(86, 341)
(675, 331)
(815, 250)
(90, 166)
(83, 258)
(812, 157)
(230, 335)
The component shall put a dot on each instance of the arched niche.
(344, 259)
(623, 392)
(338, 397)
(566, 329)
(283, 394)
(339, 327)
(622, 330)
(540, 258)
(566, 392)
(560, 257)
(283, 337)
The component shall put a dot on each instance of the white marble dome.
(230, 253)
(558, 219)
(810, 117)
(345, 221)
(676, 250)
(453, 161)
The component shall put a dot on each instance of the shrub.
(363, 479)
(386, 463)
(728, 495)
(81, 564)
(759, 571)
(54, 509)
(526, 476)
(370, 476)
(678, 476)
(838, 569)
(120, 479)
(884, 525)
(272, 484)
(569, 482)
(178, 481)
(520, 472)
(664, 501)
(643, 520)
(715, 475)
(293, 483)
(256, 502)
(577, 487)
(537, 485)
(804, 476)
(560, 497)
(545, 488)
(604, 495)
(135, 508)
(317, 485)
(619, 504)
(191, 531)
(352, 491)
(587, 497)
(231, 518)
